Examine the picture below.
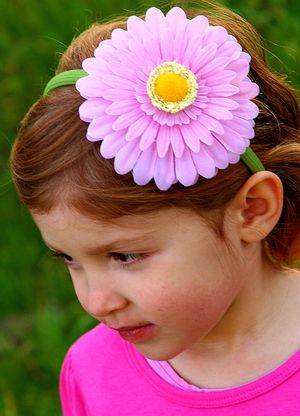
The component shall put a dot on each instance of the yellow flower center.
(172, 87)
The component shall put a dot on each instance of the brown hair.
(53, 163)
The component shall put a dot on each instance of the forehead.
(63, 225)
(63, 218)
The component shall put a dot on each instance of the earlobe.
(258, 205)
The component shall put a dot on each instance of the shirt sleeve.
(70, 395)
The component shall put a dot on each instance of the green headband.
(249, 158)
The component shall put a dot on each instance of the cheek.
(199, 285)
(195, 303)
(80, 288)
(81, 295)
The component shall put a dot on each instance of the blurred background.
(39, 314)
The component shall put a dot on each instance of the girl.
(179, 230)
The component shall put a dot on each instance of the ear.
(258, 206)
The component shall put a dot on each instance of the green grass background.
(39, 314)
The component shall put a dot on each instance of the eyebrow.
(118, 244)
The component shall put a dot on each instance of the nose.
(102, 302)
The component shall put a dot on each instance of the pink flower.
(169, 98)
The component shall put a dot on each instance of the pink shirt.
(104, 375)
(166, 372)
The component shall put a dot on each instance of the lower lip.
(137, 334)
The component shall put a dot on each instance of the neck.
(256, 305)
(259, 330)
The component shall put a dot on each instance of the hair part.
(52, 163)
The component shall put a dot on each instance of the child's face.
(167, 269)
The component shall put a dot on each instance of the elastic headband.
(64, 78)
(170, 99)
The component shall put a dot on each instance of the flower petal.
(232, 141)
(199, 103)
(216, 34)
(149, 135)
(163, 118)
(233, 157)
(126, 157)
(117, 82)
(119, 38)
(181, 41)
(142, 76)
(91, 86)
(120, 107)
(92, 108)
(148, 108)
(176, 20)
(136, 27)
(190, 138)
(155, 19)
(128, 58)
(96, 66)
(114, 94)
(137, 47)
(204, 163)
(137, 128)
(164, 174)
(142, 98)
(125, 120)
(197, 26)
(219, 154)
(246, 57)
(193, 46)
(223, 90)
(215, 64)
(163, 141)
(177, 142)
(224, 102)
(99, 128)
(151, 46)
(247, 109)
(112, 143)
(106, 52)
(230, 49)
(220, 78)
(202, 133)
(167, 45)
(185, 169)
(170, 120)
(219, 113)
(203, 57)
(181, 118)
(122, 71)
(144, 168)
(240, 67)
(192, 112)
(240, 126)
(211, 124)
(247, 89)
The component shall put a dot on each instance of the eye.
(67, 259)
(127, 258)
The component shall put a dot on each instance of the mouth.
(136, 334)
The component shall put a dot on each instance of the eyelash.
(137, 258)
(67, 259)
(117, 257)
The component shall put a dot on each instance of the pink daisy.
(169, 98)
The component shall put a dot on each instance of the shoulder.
(85, 368)
(89, 362)
(100, 341)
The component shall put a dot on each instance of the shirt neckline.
(214, 398)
